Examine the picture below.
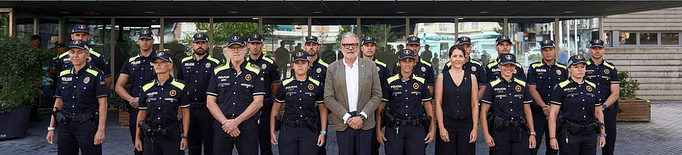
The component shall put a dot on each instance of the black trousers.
(163, 144)
(405, 140)
(354, 142)
(200, 131)
(132, 126)
(610, 127)
(246, 142)
(583, 143)
(509, 141)
(264, 128)
(541, 129)
(297, 141)
(459, 131)
(75, 136)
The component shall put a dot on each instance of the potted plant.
(20, 80)
(633, 108)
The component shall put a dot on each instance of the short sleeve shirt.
(234, 89)
(300, 98)
(269, 72)
(80, 90)
(577, 101)
(493, 71)
(422, 69)
(162, 101)
(196, 74)
(140, 71)
(405, 97)
(507, 98)
(546, 77)
(96, 60)
(603, 75)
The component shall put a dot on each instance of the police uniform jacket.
(577, 101)
(546, 78)
(300, 98)
(140, 71)
(603, 75)
(405, 97)
(506, 98)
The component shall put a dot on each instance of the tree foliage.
(221, 31)
(21, 73)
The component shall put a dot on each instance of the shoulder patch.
(380, 63)
(148, 85)
(520, 81)
(252, 69)
(474, 61)
(607, 64)
(64, 72)
(425, 62)
(92, 71)
(536, 64)
(93, 52)
(393, 78)
(495, 82)
(317, 83)
(589, 62)
(448, 64)
(214, 60)
(492, 64)
(287, 81)
(519, 65)
(420, 79)
(561, 65)
(564, 83)
(323, 63)
(133, 58)
(64, 54)
(178, 84)
(268, 59)
(186, 58)
(591, 84)
(220, 68)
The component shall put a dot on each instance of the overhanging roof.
(337, 8)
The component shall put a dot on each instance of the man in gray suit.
(352, 93)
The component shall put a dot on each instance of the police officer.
(605, 75)
(318, 70)
(235, 93)
(303, 98)
(503, 46)
(271, 81)
(408, 98)
(422, 68)
(80, 107)
(82, 33)
(506, 130)
(581, 115)
(138, 69)
(368, 52)
(542, 77)
(470, 65)
(159, 103)
(196, 71)
(457, 107)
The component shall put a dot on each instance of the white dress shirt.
(352, 84)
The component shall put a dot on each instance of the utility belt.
(500, 123)
(235, 116)
(149, 129)
(578, 128)
(393, 121)
(62, 117)
(309, 123)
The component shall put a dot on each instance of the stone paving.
(663, 135)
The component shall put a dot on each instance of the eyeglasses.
(353, 45)
(235, 48)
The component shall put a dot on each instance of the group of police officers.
(238, 103)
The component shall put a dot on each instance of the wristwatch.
(323, 132)
(183, 136)
(533, 133)
(50, 128)
(602, 135)
(604, 105)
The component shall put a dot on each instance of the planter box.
(123, 117)
(15, 123)
(634, 111)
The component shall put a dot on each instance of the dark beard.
(203, 52)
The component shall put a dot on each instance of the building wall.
(655, 20)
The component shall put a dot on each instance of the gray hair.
(350, 34)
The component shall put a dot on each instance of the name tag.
(67, 79)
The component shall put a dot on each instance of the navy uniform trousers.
(73, 136)
(405, 140)
(509, 141)
(246, 142)
(582, 143)
(297, 140)
(200, 130)
(163, 144)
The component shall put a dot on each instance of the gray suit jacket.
(336, 94)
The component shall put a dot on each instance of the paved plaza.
(663, 135)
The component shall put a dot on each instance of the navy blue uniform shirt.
(235, 90)
(269, 71)
(318, 70)
(603, 75)
(577, 101)
(506, 98)
(546, 78)
(300, 98)
(404, 97)
(140, 71)
(492, 71)
(80, 90)
(197, 75)
(162, 101)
